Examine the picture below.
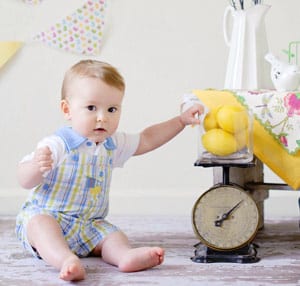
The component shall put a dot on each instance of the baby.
(70, 171)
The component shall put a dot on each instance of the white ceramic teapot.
(285, 77)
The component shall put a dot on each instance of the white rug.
(279, 252)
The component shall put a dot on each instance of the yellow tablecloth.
(265, 147)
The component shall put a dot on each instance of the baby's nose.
(101, 116)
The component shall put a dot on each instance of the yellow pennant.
(7, 50)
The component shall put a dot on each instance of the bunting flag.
(80, 32)
(7, 50)
(32, 1)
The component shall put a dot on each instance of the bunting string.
(32, 2)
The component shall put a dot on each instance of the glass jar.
(226, 135)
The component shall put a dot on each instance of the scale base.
(246, 254)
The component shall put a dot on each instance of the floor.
(279, 250)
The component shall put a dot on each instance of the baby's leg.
(44, 234)
(116, 250)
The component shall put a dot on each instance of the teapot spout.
(269, 57)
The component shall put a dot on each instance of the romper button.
(89, 143)
(46, 187)
(75, 157)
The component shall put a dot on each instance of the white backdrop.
(164, 48)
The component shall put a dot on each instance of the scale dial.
(225, 218)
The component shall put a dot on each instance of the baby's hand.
(192, 114)
(43, 158)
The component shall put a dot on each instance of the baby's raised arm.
(159, 134)
(30, 173)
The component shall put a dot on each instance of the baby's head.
(92, 94)
(92, 69)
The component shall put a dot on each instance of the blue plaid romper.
(76, 194)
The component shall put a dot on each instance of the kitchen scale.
(225, 218)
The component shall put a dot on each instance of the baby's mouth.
(99, 129)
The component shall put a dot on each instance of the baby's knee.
(39, 220)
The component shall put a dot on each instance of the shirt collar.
(73, 140)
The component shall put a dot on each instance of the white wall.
(164, 48)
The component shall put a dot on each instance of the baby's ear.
(64, 105)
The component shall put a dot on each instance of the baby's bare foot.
(142, 258)
(72, 270)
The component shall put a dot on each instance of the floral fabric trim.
(277, 112)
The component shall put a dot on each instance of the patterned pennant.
(81, 32)
(7, 50)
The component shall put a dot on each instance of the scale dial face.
(225, 218)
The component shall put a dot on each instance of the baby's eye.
(112, 109)
(91, 107)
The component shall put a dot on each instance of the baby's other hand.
(43, 158)
(192, 114)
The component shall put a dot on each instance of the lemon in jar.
(242, 138)
(219, 142)
(232, 118)
(210, 120)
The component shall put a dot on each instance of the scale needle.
(225, 216)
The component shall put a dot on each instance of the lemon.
(210, 120)
(232, 118)
(242, 139)
(219, 142)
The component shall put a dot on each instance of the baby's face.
(93, 107)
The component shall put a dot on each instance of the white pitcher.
(246, 67)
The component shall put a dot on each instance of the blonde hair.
(93, 69)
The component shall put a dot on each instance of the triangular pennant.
(81, 32)
(7, 50)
